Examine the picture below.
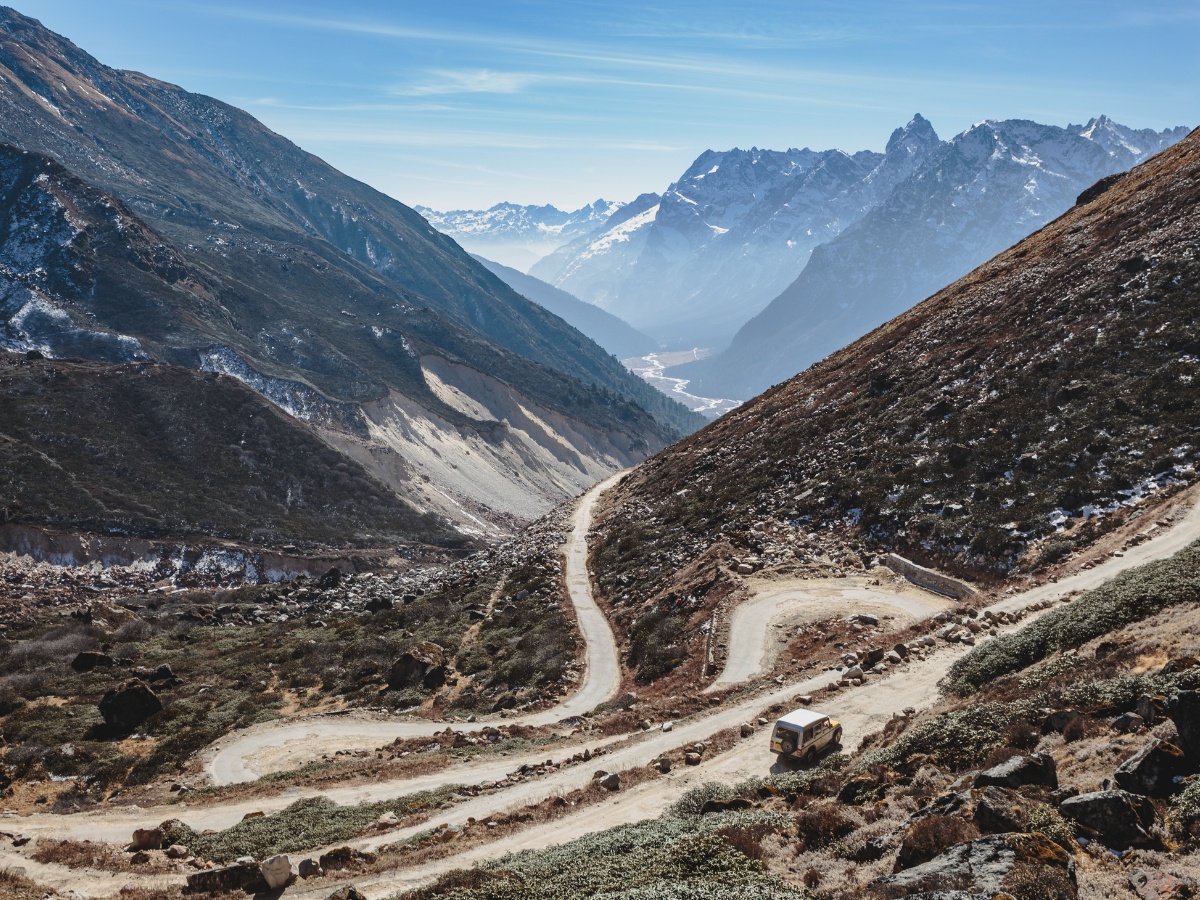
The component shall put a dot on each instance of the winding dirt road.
(861, 711)
(754, 641)
(232, 761)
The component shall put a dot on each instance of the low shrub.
(1046, 819)
(1130, 597)
(932, 836)
(821, 824)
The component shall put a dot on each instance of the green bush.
(305, 825)
(664, 859)
(1130, 597)
(956, 739)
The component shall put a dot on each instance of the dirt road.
(760, 627)
(861, 711)
(246, 755)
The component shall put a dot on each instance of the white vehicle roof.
(802, 718)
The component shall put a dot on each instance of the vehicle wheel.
(837, 736)
(810, 756)
(788, 746)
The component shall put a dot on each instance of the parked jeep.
(803, 734)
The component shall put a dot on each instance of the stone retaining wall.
(929, 579)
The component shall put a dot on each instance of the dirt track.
(861, 711)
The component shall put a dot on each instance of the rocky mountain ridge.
(973, 196)
(516, 235)
(144, 222)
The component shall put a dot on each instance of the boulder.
(423, 665)
(310, 868)
(1150, 707)
(90, 659)
(147, 839)
(692, 759)
(986, 867)
(611, 782)
(331, 579)
(178, 851)
(129, 704)
(349, 892)
(901, 650)
(1128, 723)
(1035, 768)
(277, 871)
(244, 876)
(1153, 770)
(1184, 710)
(1117, 818)
(140, 858)
(343, 858)
(1151, 884)
(999, 811)
(1059, 719)
(746, 729)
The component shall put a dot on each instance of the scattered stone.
(667, 726)
(611, 782)
(349, 892)
(178, 851)
(140, 858)
(257, 814)
(277, 871)
(1150, 707)
(1151, 884)
(692, 759)
(1059, 719)
(129, 704)
(20, 840)
(981, 867)
(243, 876)
(388, 820)
(90, 659)
(746, 729)
(1036, 768)
(1184, 711)
(1153, 770)
(1117, 818)
(147, 839)
(1128, 723)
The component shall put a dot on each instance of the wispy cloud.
(477, 81)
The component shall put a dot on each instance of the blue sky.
(465, 104)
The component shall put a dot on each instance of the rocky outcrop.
(243, 876)
(1035, 769)
(1184, 710)
(1117, 818)
(988, 867)
(1153, 770)
(423, 666)
(128, 705)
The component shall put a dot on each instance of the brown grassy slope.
(1056, 376)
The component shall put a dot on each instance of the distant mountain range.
(518, 236)
(972, 197)
(142, 223)
(872, 234)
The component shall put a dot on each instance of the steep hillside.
(144, 222)
(148, 450)
(615, 335)
(972, 197)
(1008, 419)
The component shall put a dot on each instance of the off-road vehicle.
(804, 734)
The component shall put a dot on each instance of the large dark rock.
(90, 659)
(240, 876)
(1036, 768)
(1118, 819)
(1184, 710)
(1153, 770)
(423, 665)
(129, 704)
(1000, 811)
(988, 867)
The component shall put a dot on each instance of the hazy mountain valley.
(337, 562)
